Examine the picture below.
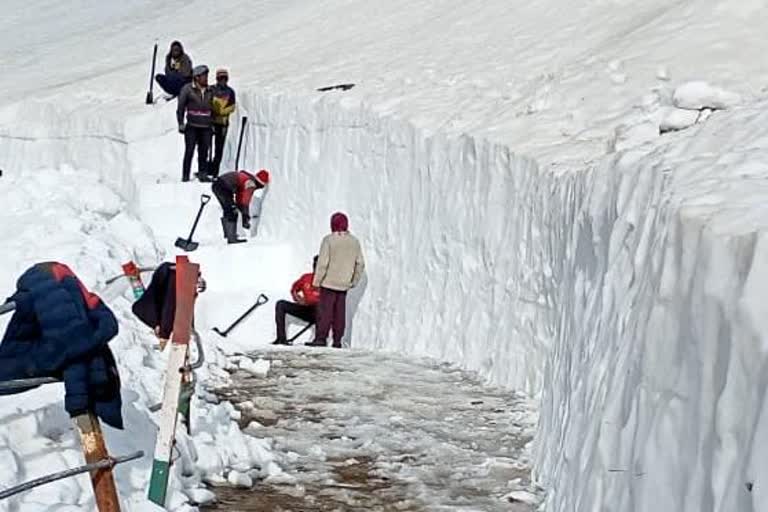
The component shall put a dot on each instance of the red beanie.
(339, 222)
(263, 176)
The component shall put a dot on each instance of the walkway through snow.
(370, 431)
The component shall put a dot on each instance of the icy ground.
(369, 431)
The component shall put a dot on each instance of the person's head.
(200, 75)
(262, 177)
(314, 262)
(177, 50)
(339, 222)
(222, 76)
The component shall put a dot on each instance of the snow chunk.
(522, 497)
(260, 367)
(675, 119)
(699, 95)
(199, 496)
(662, 73)
(239, 479)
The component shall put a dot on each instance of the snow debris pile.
(666, 110)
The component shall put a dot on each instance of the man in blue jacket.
(60, 329)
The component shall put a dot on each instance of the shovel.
(263, 299)
(187, 244)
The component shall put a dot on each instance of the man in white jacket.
(340, 267)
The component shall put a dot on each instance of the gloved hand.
(246, 223)
(182, 127)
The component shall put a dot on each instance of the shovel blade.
(186, 245)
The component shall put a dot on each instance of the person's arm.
(323, 260)
(230, 106)
(244, 203)
(185, 66)
(359, 267)
(295, 289)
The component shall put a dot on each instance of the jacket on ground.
(223, 104)
(197, 104)
(157, 306)
(59, 329)
(340, 264)
(304, 285)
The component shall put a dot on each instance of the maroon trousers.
(331, 314)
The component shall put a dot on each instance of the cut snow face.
(369, 431)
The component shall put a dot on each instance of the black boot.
(230, 231)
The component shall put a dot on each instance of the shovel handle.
(204, 198)
(263, 299)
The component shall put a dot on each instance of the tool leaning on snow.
(187, 244)
(59, 332)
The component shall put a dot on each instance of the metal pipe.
(108, 463)
(10, 385)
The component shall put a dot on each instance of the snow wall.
(625, 294)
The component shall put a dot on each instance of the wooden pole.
(95, 450)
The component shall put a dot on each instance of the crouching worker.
(157, 305)
(234, 190)
(304, 305)
(178, 70)
(59, 329)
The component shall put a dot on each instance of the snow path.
(372, 431)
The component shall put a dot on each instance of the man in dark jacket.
(178, 70)
(59, 329)
(196, 101)
(223, 106)
(157, 305)
(304, 305)
(234, 190)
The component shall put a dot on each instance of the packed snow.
(533, 203)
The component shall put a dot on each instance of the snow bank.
(656, 383)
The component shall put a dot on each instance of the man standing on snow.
(178, 70)
(234, 190)
(304, 305)
(196, 101)
(223, 106)
(340, 267)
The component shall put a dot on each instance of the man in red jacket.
(304, 307)
(234, 191)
